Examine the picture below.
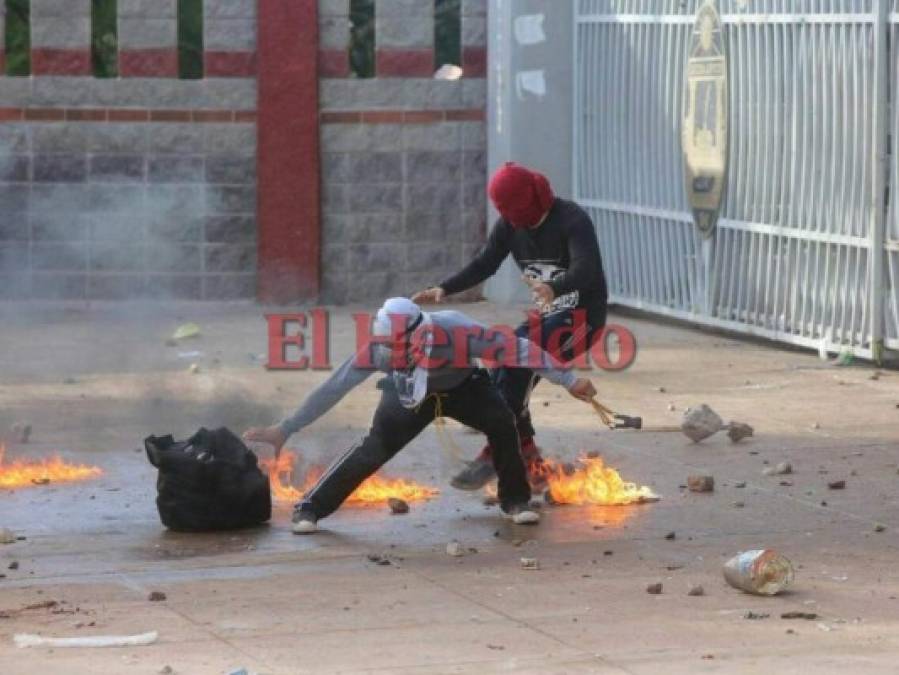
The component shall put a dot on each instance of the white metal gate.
(803, 237)
(892, 226)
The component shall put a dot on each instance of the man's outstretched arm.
(526, 354)
(484, 265)
(317, 403)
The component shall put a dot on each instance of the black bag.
(209, 482)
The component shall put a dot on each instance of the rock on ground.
(701, 483)
(701, 422)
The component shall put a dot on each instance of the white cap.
(393, 308)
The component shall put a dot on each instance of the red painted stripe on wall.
(402, 116)
(229, 64)
(126, 115)
(60, 61)
(148, 62)
(474, 61)
(404, 62)
(288, 151)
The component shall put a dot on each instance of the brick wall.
(145, 186)
(137, 187)
(403, 155)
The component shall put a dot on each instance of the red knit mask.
(520, 195)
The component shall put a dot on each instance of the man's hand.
(271, 435)
(543, 293)
(583, 389)
(433, 295)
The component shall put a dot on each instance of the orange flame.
(585, 482)
(374, 489)
(590, 481)
(25, 473)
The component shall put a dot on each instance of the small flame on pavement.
(586, 482)
(590, 481)
(28, 473)
(374, 489)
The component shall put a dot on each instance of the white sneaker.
(305, 527)
(522, 514)
(304, 522)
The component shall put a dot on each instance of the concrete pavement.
(96, 380)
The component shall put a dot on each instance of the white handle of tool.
(23, 640)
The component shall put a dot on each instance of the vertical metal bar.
(577, 110)
(878, 180)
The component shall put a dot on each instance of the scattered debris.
(837, 485)
(701, 483)
(454, 548)
(7, 536)
(755, 616)
(21, 432)
(671, 536)
(156, 596)
(808, 616)
(696, 591)
(700, 423)
(530, 564)
(448, 71)
(737, 431)
(781, 469)
(23, 640)
(845, 358)
(397, 506)
(186, 331)
(761, 572)
(654, 589)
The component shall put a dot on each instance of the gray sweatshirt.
(480, 342)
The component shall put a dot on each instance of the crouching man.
(429, 357)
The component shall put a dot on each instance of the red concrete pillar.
(288, 151)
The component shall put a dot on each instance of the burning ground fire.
(590, 482)
(28, 473)
(375, 490)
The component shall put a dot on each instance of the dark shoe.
(475, 475)
(522, 514)
(304, 520)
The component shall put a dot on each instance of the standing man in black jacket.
(553, 242)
